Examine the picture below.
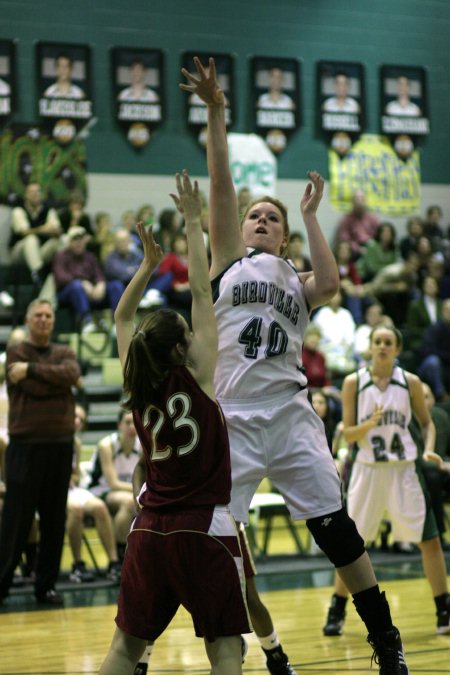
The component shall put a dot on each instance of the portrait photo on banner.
(65, 88)
(275, 86)
(404, 112)
(137, 82)
(196, 112)
(340, 103)
(7, 79)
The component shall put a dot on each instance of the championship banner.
(391, 185)
(252, 164)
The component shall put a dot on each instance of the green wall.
(408, 32)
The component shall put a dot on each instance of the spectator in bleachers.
(422, 312)
(175, 262)
(438, 270)
(122, 263)
(74, 215)
(434, 368)
(359, 225)
(395, 286)
(35, 236)
(295, 252)
(145, 214)
(414, 230)
(338, 333)
(350, 280)
(111, 474)
(80, 280)
(432, 227)
(313, 360)
(325, 409)
(103, 242)
(424, 250)
(169, 224)
(379, 252)
(81, 503)
(128, 223)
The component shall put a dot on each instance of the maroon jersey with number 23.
(185, 442)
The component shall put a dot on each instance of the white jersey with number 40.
(261, 315)
(391, 440)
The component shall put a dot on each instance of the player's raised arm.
(225, 235)
(203, 351)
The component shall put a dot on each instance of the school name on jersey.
(142, 112)
(58, 107)
(275, 118)
(270, 293)
(390, 417)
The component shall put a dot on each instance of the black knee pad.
(337, 536)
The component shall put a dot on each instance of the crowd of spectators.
(85, 263)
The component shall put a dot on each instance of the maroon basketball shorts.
(190, 558)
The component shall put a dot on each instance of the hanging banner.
(252, 164)
(196, 111)
(65, 89)
(276, 99)
(7, 79)
(391, 185)
(137, 82)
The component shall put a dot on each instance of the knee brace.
(337, 536)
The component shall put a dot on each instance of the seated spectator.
(379, 252)
(313, 360)
(422, 312)
(432, 227)
(103, 242)
(175, 262)
(359, 225)
(122, 263)
(110, 477)
(434, 368)
(35, 237)
(167, 227)
(414, 229)
(295, 252)
(395, 286)
(437, 270)
(338, 333)
(80, 281)
(437, 476)
(82, 503)
(350, 280)
(425, 252)
(74, 214)
(374, 316)
(326, 410)
(145, 214)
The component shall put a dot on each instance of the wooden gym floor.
(74, 640)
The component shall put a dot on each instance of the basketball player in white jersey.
(262, 307)
(378, 406)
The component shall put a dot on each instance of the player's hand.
(187, 201)
(312, 195)
(205, 85)
(376, 415)
(153, 253)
